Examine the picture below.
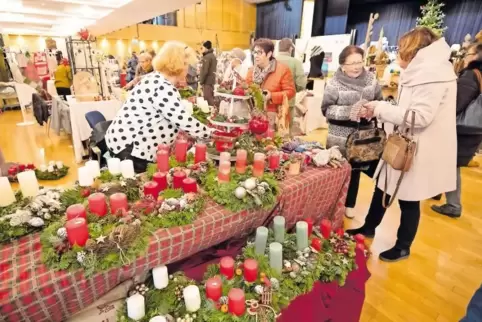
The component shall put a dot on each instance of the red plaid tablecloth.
(29, 291)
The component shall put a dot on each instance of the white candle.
(85, 177)
(28, 183)
(7, 196)
(114, 166)
(93, 167)
(60, 164)
(136, 307)
(127, 169)
(192, 298)
(158, 318)
(160, 276)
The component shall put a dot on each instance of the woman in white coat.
(428, 88)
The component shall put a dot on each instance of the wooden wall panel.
(201, 13)
(190, 17)
(215, 14)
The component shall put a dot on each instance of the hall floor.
(434, 284)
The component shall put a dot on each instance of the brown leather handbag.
(399, 152)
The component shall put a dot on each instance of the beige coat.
(427, 87)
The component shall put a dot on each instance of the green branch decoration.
(56, 174)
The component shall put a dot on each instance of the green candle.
(261, 240)
(276, 256)
(279, 228)
(302, 235)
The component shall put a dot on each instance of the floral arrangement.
(54, 171)
(29, 215)
(16, 169)
(233, 119)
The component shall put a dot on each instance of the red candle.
(273, 160)
(224, 172)
(250, 270)
(309, 221)
(340, 232)
(236, 301)
(97, 204)
(258, 164)
(163, 147)
(360, 239)
(200, 155)
(214, 288)
(325, 228)
(226, 266)
(177, 179)
(189, 185)
(316, 244)
(77, 231)
(76, 211)
(161, 179)
(270, 133)
(163, 160)
(241, 160)
(118, 202)
(181, 150)
(151, 188)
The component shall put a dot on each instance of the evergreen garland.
(432, 17)
(55, 175)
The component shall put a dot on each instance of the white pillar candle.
(85, 177)
(93, 167)
(60, 164)
(28, 183)
(192, 298)
(114, 166)
(127, 169)
(136, 307)
(7, 197)
(158, 318)
(160, 276)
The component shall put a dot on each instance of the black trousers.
(352, 193)
(408, 222)
(140, 165)
(63, 91)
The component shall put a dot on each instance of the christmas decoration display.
(16, 169)
(54, 171)
(433, 17)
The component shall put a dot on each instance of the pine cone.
(280, 174)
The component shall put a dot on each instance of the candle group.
(177, 179)
(28, 183)
(180, 150)
(214, 288)
(192, 298)
(279, 228)
(258, 164)
(127, 169)
(118, 203)
(301, 235)
(236, 301)
(113, 164)
(7, 197)
(226, 267)
(276, 256)
(160, 276)
(250, 270)
(76, 211)
(97, 204)
(261, 240)
(77, 231)
(163, 160)
(136, 307)
(241, 161)
(200, 153)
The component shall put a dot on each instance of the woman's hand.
(368, 110)
(267, 95)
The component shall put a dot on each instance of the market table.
(29, 291)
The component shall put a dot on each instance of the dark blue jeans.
(474, 310)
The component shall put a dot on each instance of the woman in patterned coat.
(350, 87)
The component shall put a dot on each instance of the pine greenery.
(432, 17)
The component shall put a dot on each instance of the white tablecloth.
(81, 130)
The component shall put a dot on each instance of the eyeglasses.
(360, 63)
(258, 52)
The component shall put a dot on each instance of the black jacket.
(468, 89)
(208, 69)
(40, 109)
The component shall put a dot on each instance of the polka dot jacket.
(152, 114)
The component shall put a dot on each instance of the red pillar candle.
(177, 179)
(226, 266)
(309, 221)
(214, 289)
(163, 161)
(250, 270)
(151, 188)
(270, 133)
(164, 147)
(161, 179)
(273, 160)
(241, 161)
(97, 204)
(325, 228)
(200, 155)
(224, 172)
(258, 164)
(189, 185)
(236, 301)
(76, 211)
(77, 231)
(181, 150)
(118, 202)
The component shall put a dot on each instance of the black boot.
(368, 233)
(437, 197)
(394, 255)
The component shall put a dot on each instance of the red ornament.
(84, 34)
(340, 232)
(12, 171)
(31, 166)
(325, 228)
(259, 124)
(85, 192)
(21, 167)
(316, 244)
(360, 239)
(238, 91)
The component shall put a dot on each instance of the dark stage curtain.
(462, 17)
(274, 21)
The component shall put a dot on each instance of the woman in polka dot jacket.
(153, 113)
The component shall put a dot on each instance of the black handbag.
(364, 146)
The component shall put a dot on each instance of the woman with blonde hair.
(153, 113)
(428, 89)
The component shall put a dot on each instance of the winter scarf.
(259, 74)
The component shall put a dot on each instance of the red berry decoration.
(31, 166)
(21, 167)
(238, 91)
(340, 232)
(85, 192)
(360, 239)
(12, 171)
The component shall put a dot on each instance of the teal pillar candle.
(261, 240)
(276, 256)
(279, 229)
(301, 235)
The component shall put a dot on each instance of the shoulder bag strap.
(399, 182)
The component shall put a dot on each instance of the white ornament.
(59, 164)
(62, 233)
(258, 289)
(36, 222)
(50, 168)
(47, 216)
(250, 183)
(240, 192)
(52, 163)
(43, 168)
(80, 257)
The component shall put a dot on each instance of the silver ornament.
(224, 300)
(81, 257)
(47, 216)
(259, 289)
(240, 192)
(261, 190)
(36, 222)
(274, 283)
(62, 232)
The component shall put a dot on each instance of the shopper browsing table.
(207, 77)
(153, 113)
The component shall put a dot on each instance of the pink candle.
(97, 204)
(270, 133)
(200, 155)
(76, 211)
(118, 202)
(250, 270)
(241, 161)
(273, 160)
(236, 301)
(177, 179)
(214, 288)
(224, 172)
(258, 165)
(161, 179)
(225, 156)
(77, 231)
(151, 188)
(309, 221)
(181, 150)
(163, 160)
(189, 185)
(164, 147)
(226, 267)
